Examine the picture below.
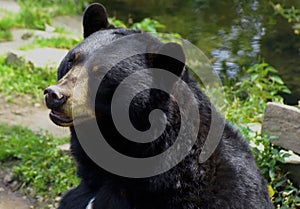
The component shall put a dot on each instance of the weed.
(59, 42)
(291, 14)
(24, 79)
(247, 99)
(7, 22)
(248, 96)
(40, 164)
(35, 14)
(283, 193)
(5, 35)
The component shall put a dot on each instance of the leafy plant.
(39, 164)
(268, 158)
(148, 24)
(246, 101)
(249, 95)
(291, 14)
(116, 22)
(153, 26)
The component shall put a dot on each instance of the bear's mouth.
(61, 119)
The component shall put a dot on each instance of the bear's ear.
(170, 57)
(95, 19)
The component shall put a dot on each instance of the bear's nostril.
(53, 93)
(53, 97)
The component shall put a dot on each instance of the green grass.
(59, 42)
(24, 79)
(7, 22)
(39, 164)
(5, 35)
(35, 14)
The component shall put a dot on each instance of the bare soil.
(10, 198)
(36, 118)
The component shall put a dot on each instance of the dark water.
(234, 33)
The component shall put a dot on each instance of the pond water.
(233, 33)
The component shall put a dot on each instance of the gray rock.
(10, 6)
(40, 57)
(8, 178)
(14, 186)
(70, 24)
(65, 148)
(283, 122)
(14, 59)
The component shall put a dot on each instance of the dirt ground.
(36, 118)
(10, 199)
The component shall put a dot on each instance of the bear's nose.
(53, 97)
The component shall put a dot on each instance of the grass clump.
(24, 79)
(7, 22)
(39, 164)
(35, 14)
(5, 35)
(58, 42)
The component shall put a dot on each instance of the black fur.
(229, 179)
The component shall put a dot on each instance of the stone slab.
(70, 24)
(39, 57)
(283, 122)
(10, 6)
(19, 40)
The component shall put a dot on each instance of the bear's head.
(104, 49)
(126, 61)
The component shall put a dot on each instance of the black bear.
(228, 179)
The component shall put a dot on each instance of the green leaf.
(276, 79)
(286, 90)
(271, 69)
(254, 77)
(279, 184)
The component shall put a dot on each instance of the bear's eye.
(72, 60)
(70, 63)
